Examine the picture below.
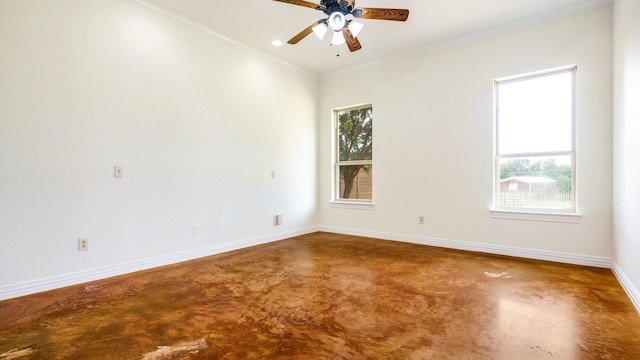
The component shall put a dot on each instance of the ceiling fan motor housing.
(332, 6)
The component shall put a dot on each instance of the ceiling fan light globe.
(337, 21)
(320, 30)
(338, 38)
(355, 28)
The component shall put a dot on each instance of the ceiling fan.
(344, 30)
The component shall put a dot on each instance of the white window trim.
(336, 201)
(533, 214)
(529, 215)
(346, 204)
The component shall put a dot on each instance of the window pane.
(535, 114)
(355, 138)
(355, 182)
(536, 182)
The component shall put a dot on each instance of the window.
(353, 154)
(535, 142)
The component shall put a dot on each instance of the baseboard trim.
(56, 282)
(587, 260)
(36, 286)
(627, 285)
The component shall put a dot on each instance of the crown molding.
(208, 30)
(577, 8)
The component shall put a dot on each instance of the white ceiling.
(434, 23)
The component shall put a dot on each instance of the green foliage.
(548, 168)
(515, 167)
(563, 184)
(355, 142)
(355, 134)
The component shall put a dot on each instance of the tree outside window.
(354, 155)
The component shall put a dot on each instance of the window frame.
(336, 200)
(530, 213)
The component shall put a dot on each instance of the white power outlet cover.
(83, 244)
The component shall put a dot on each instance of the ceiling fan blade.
(303, 34)
(301, 3)
(352, 42)
(381, 14)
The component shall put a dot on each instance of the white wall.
(626, 174)
(197, 123)
(433, 138)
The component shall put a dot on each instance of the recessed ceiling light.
(276, 43)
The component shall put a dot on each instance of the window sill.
(352, 205)
(570, 218)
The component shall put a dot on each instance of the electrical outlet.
(421, 220)
(117, 171)
(83, 244)
(196, 229)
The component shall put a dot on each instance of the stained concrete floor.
(328, 296)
